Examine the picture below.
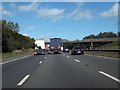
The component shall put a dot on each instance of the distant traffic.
(55, 46)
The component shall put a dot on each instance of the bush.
(12, 40)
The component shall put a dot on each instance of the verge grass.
(16, 54)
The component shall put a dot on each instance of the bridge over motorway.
(90, 42)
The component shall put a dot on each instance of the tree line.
(12, 39)
(102, 35)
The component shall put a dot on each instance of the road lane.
(59, 71)
(14, 71)
(99, 63)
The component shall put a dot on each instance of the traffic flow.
(57, 44)
(53, 67)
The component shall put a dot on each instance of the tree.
(106, 35)
(101, 35)
(16, 27)
(64, 40)
(90, 37)
(10, 25)
(12, 40)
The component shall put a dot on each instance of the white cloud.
(30, 7)
(78, 14)
(47, 13)
(4, 12)
(111, 12)
(31, 27)
(52, 13)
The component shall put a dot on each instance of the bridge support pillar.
(91, 45)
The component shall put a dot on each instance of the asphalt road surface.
(61, 71)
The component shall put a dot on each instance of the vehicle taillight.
(59, 46)
(52, 47)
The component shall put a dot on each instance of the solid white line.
(68, 56)
(40, 62)
(23, 80)
(10, 61)
(14, 60)
(24, 57)
(77, 60)
(107, 75)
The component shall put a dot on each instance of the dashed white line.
(44, 57)
(23, 80)
(40, 62)
(68, 56)
(111, 77)
(77, 60)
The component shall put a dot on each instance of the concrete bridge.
(90, 42)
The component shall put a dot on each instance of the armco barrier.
(101, 51)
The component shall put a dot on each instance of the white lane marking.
(14, 60)
(10, 61)
(68, 56)
(24, 57)
(23, 80)
(107, 75)
(44, 57)
(40, 62)
(77, 60)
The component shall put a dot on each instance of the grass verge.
(16, 54)
(106, 54)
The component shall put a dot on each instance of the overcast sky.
(62, 19)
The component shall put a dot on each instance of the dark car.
(77, 50)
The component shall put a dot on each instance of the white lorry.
(39, 46)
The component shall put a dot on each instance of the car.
(77, 50)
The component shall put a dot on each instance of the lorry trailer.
(55, 45)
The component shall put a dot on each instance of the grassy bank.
(16, 54)
(111, 46)
(106, 54)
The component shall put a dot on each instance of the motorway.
(61, 71)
